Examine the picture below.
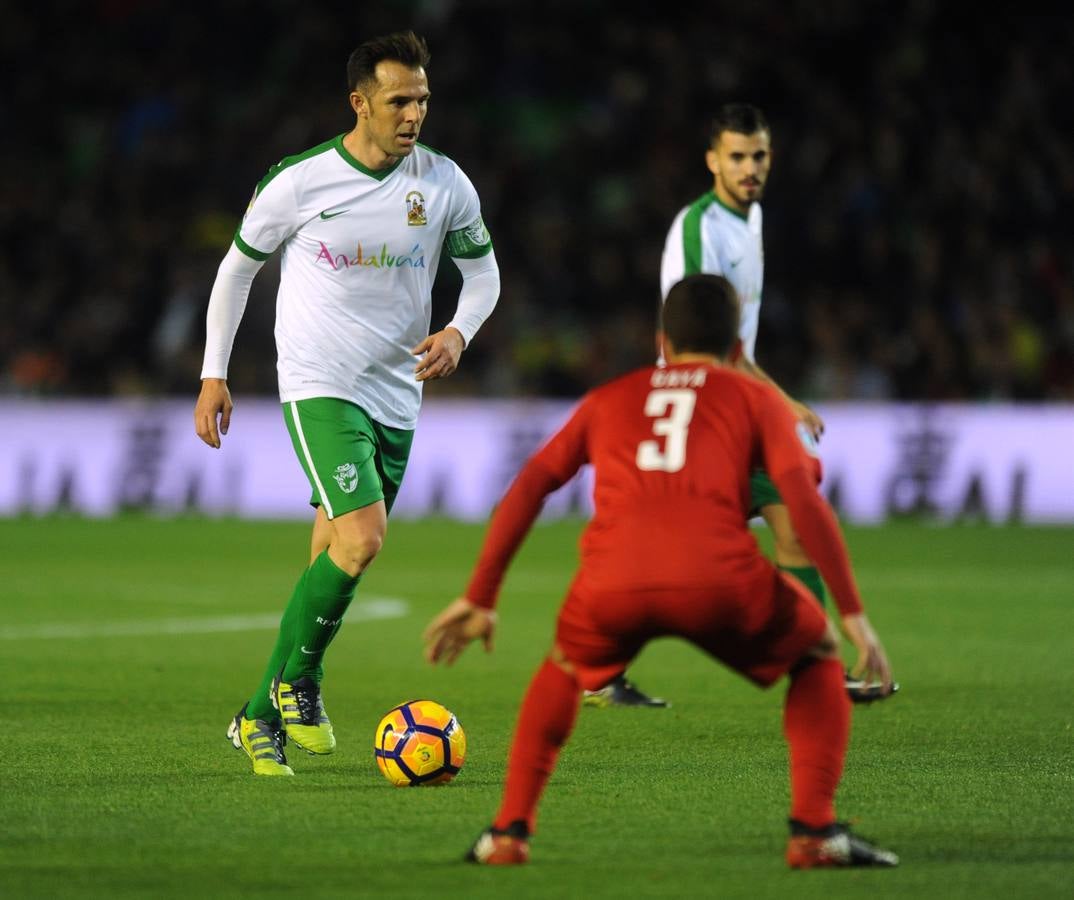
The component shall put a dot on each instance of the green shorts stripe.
(350, 460)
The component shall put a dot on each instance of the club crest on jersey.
(477, 233)
(415, 209)
(346, 477)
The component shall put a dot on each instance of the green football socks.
(327, 593)
(260, 705)
(310, 621)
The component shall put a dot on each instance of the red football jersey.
(673, 449)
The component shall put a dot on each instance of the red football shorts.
(759, 628)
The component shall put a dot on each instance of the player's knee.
(558, 658)
(359, 549)
(827, 647)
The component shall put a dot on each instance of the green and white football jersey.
(360, 252)
(708, 237)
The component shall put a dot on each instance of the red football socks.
(816, 723)
(544, 724)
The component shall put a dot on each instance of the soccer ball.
(419, 742)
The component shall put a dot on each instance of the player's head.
(389, 91)
(700, 315)
(739, 154)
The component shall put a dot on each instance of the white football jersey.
(708, 237)
(360, 252)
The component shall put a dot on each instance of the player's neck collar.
(378, 174)
(744, 216)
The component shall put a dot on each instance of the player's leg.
(257, 728)
(260, 706)
(816, 724)
(330, 584)
(585, 654)
(545, 722)
(321, 536)
(790, 633)
(355, 466)
(353, 502)
(788, 551)
(765, 626)
(791, 557)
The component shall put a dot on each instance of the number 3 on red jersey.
(672, 409)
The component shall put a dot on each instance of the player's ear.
(360, 104)
(663, 348)
(712, 161)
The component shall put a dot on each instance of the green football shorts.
(350, 460)
(762, 492)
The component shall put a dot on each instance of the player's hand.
(453, 629)
(809, 418)
(214, 400)
(872, 664)
(440, 354)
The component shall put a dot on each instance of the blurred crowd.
(917, 219)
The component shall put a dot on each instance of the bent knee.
(828, 645)
(358, 550)
(558, 658)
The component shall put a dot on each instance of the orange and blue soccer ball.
(419, 742)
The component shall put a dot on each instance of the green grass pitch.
(117, 780)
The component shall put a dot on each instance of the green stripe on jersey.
(248, 250)
(273, 171)
(289, 161)
(691, 233)
(737, 213)
(378, 174)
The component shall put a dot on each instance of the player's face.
(394, 111)
(740, 163)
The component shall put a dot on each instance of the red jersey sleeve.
(548, 469)
(796, 472)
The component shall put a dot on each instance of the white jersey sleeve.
(272, 216)
(480, 291)
(226, 305)
(686, 251)
(467, 236)
(673, 261)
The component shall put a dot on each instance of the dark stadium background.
(917, 223)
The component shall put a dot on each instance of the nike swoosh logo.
(307, 652)
(734, 265)
(325, 214)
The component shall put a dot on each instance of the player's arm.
(271, 218)
(231, 289)
(803, 413)
(795, 475)
(440, 353)
(471, 616)
(469, 245)
(816, 527)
